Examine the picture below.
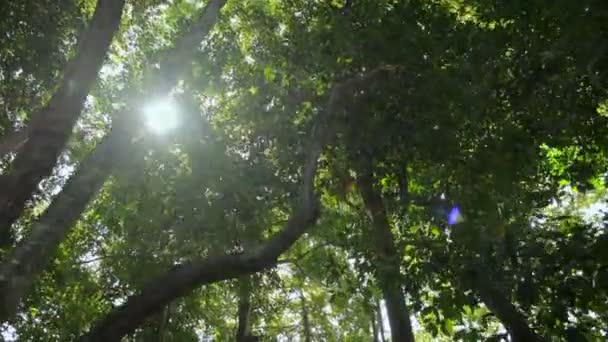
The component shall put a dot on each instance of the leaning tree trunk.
(50, 128)
(29, 258)
(507, 313)
(387, 261)
(181, 280)
(498, 303)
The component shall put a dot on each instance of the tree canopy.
(337, 170)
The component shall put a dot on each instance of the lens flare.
(455, 216)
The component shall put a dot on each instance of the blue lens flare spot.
(455, 216)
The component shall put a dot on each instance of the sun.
(161, 116)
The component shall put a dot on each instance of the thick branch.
(32, 256)
(28, 259)
(507, 313)
(51, 127)
(182, 280)
(177, 59)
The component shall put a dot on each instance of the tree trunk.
(243, 333)
(499, 304)
(50, 128)
(387, 261)
(305, 319)
(507, 313)
(30, 258)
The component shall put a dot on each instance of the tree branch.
(507, 313)
(182, 280)
(50, 128)
(28, 259)
(19, 270)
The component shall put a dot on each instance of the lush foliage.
(462, 179)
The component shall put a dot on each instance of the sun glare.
(161, 116)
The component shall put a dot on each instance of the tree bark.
(243, 332)
(50, 128)
(28, 259)
(387, 261)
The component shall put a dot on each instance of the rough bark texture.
(28, 259)
(50, 128)
(387, 261)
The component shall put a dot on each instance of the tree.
(344, 170)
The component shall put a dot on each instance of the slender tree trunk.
(387, 261)
(305, 319)
(380, 321)
(243, 333)
(50, 128)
